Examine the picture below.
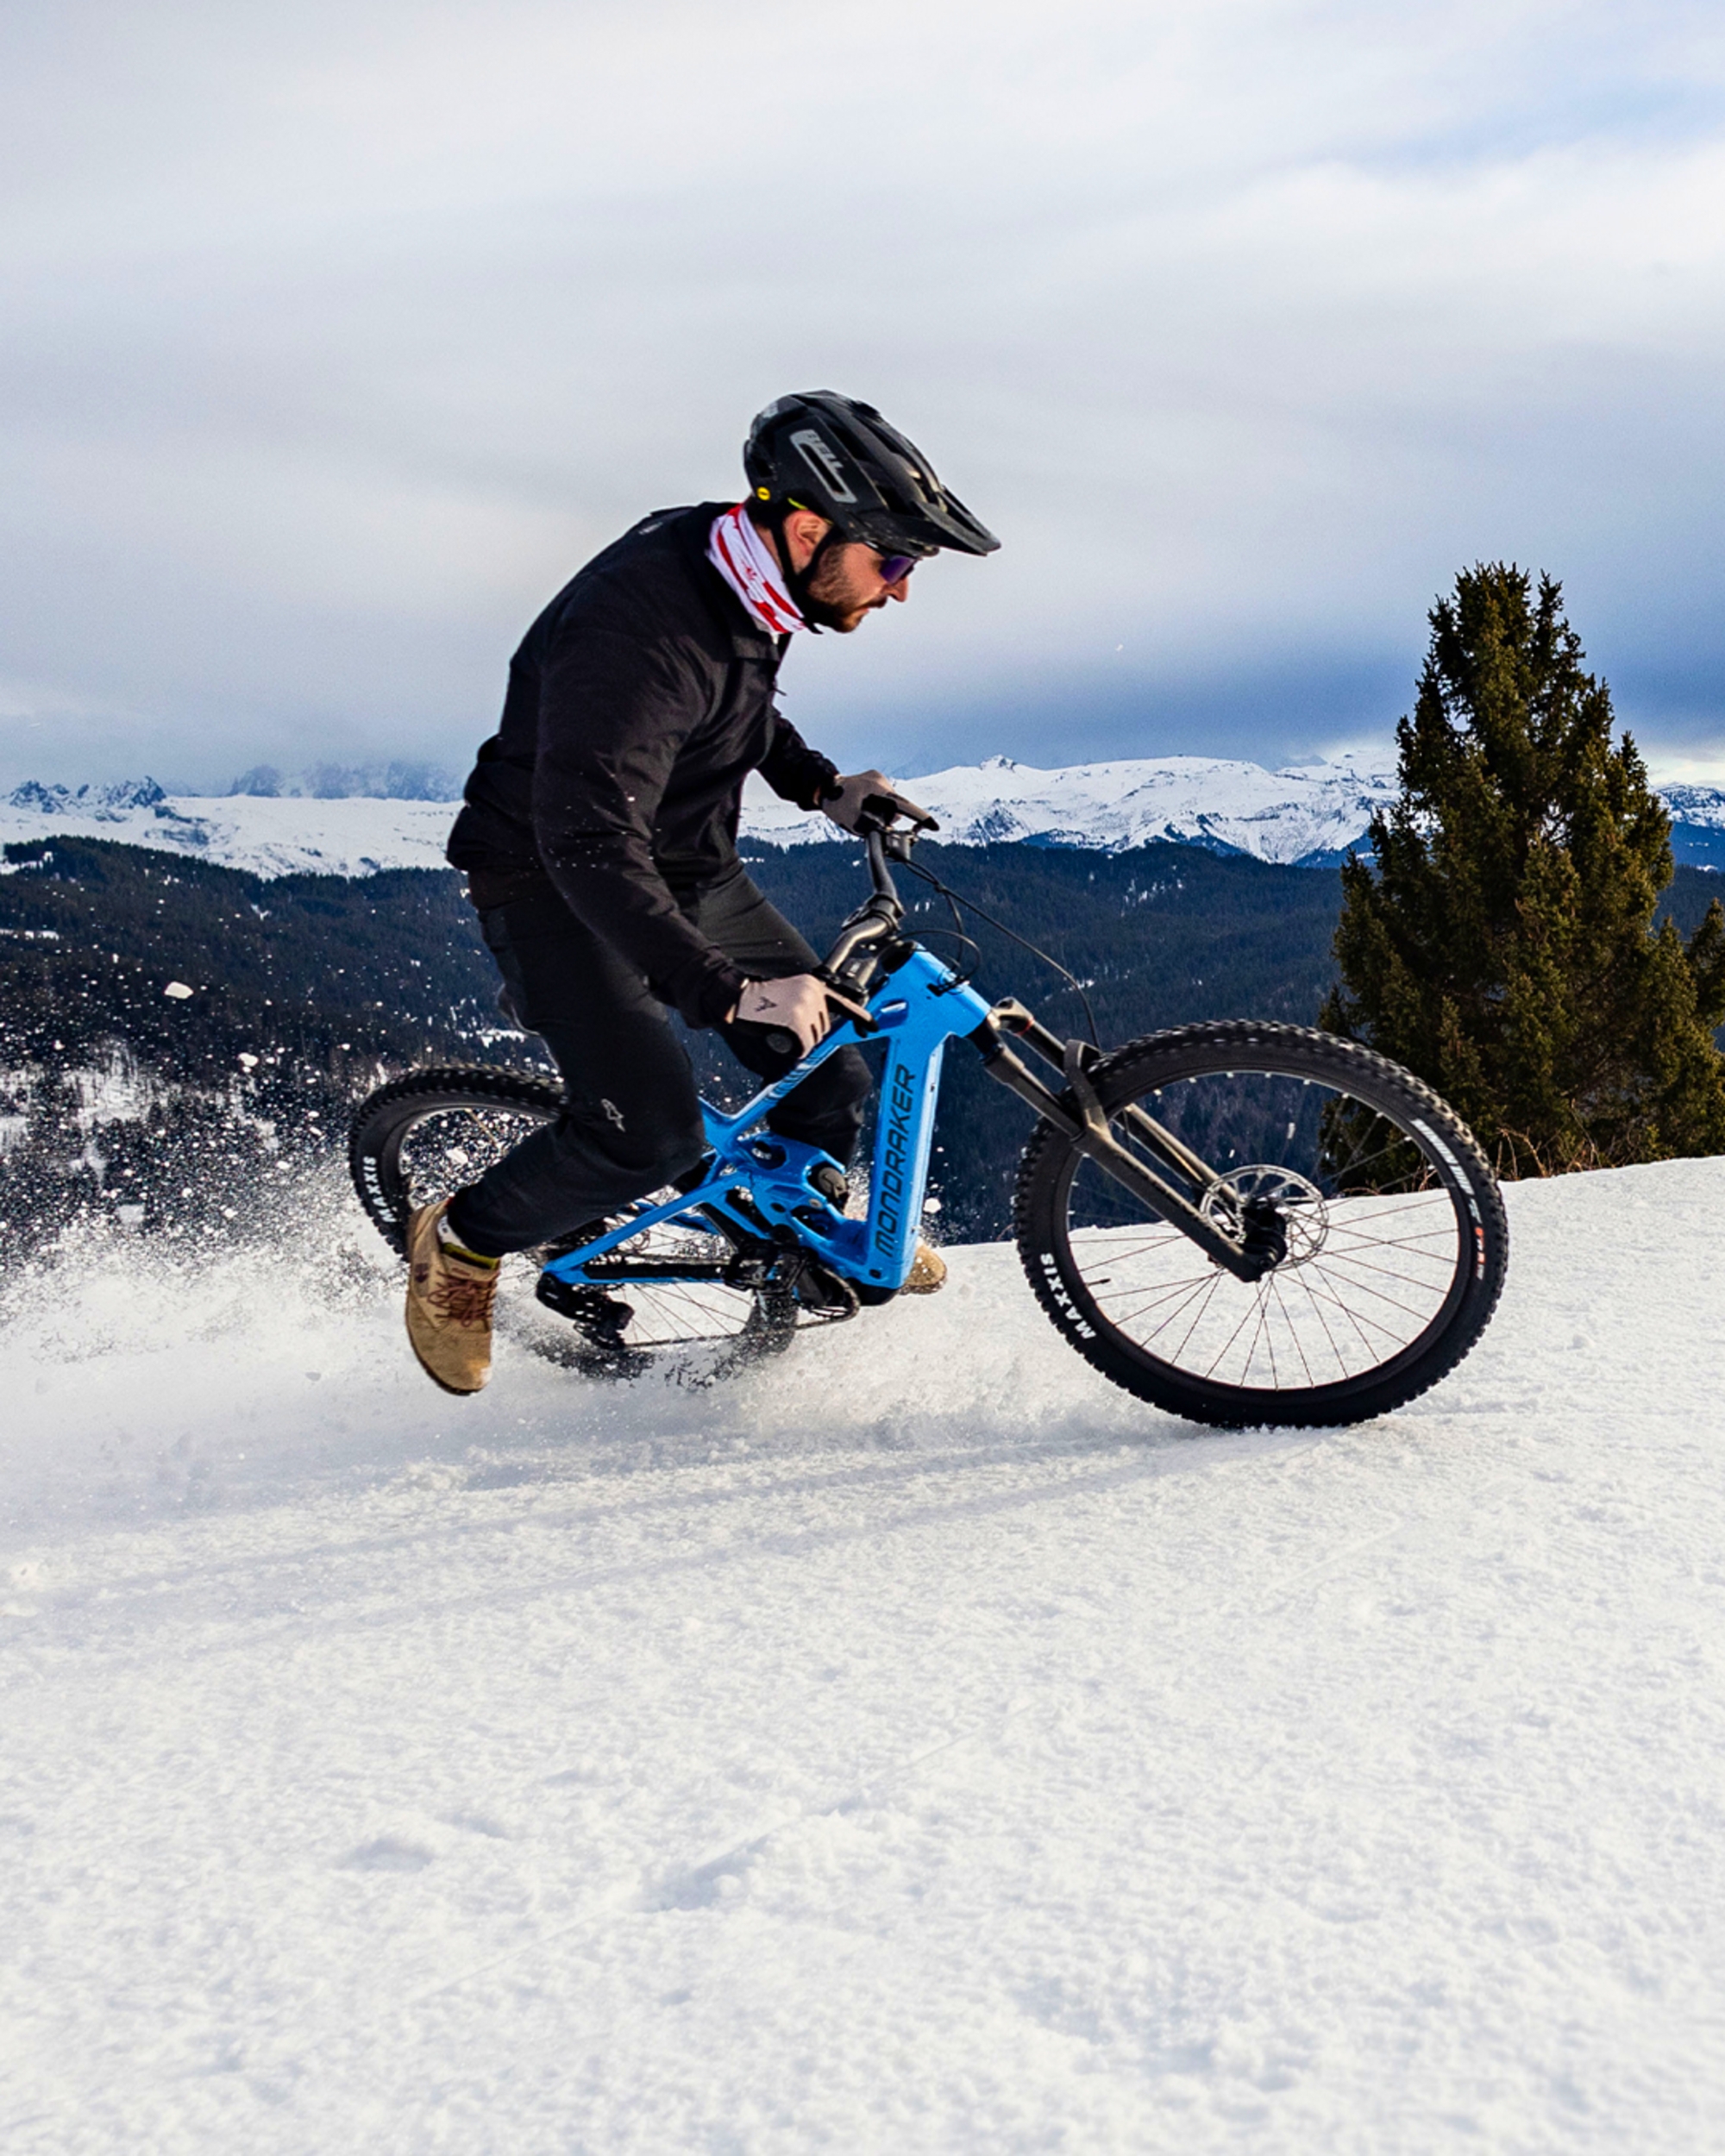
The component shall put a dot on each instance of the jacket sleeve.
(793, 770)
(614, 708)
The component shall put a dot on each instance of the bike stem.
(875, 921)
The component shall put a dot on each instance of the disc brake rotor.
(1231, 1203)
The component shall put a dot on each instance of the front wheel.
(1391, 1235)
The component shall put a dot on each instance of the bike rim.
(1379, 1245)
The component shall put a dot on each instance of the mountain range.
(1305, 815)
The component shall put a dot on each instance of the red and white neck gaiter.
(747, 563)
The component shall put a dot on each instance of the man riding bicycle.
(598, 840)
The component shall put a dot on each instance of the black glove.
(872, 790)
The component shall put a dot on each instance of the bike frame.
(758, 1188)
(759, 1183)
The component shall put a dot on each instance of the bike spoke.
(1292, 1331)
(1182, 1302)
(1253, 1309)
(1204, 1301)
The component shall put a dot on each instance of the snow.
(268, 837)
(1280, 816)
(1310, 811)
(1283, 816)
(916, 1745)
(1702, 805)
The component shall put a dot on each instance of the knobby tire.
(1398, 1249)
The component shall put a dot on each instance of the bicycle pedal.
(599, 1349)
(601, 1317)
(821, 1291)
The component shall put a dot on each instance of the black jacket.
(637, 704)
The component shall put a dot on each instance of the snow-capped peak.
(1303, 813)
(102, 803)
(1314, 810)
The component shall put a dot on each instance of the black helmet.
(818, 450)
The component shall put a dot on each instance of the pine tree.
(1503, 944)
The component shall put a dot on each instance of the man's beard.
(829, 605)
(821, 613)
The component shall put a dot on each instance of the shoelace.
(464, 1302)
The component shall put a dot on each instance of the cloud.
(334, 342)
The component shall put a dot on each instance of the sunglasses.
(895, 568)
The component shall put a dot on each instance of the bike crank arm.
(1089, 1131)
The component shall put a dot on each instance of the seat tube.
(934, 1009)
(903, 1137)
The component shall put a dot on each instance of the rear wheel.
(1390, 1236)
(425, 1135)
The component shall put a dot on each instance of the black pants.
(631, 1117)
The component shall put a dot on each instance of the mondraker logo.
(895, 1170)
(822, 459)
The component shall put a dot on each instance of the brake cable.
(964, 967)
(955, 900)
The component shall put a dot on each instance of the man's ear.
(803, 531)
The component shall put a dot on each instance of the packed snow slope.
(916, 1745)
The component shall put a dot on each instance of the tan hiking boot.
(927, 1273)
(449, 1294)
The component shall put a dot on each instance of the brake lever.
(880, 814)
(842, 1011)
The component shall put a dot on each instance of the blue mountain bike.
(1245, 1224)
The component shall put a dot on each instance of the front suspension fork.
(1086, 1123)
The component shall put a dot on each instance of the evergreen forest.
(177, 1112)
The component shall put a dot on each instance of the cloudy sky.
(336, 336)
